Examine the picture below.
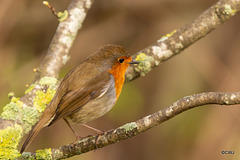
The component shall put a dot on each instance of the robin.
(88, 91)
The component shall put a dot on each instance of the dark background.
(211, 64)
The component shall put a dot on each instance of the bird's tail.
(35, 130)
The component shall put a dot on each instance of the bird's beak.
(134, 62)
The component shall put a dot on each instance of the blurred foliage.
(211, 64)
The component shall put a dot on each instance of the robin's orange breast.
(118, 71)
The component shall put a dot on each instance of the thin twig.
(46, 3)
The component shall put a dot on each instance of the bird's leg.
(94, 129)
(77, 136)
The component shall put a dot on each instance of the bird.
(88, 91)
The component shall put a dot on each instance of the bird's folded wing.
(80, 92)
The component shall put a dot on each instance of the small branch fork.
(134, 128)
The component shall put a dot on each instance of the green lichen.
(15, 111)
(228, 10)
(145, 64)
(11, 111)
(30, 88)
(58, 153)
(9, 139)
(18, 111)
(49, 81)
(165, 37)
(129, 126)
(26, 155)
(170, 34)
(10, 95)
(17, 101)
(29, 117)
(45, 154)
(62, 15)
(42, 99)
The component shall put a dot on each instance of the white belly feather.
(97, 107)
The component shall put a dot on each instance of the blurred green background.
(211, 64)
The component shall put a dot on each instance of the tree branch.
(178, 40)
(22, 113)
(134, 128)
(58, 51)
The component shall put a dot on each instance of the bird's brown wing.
(78, 88)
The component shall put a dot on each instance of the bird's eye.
(121, 60)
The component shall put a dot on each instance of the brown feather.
(74, 96)
(35, 130)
